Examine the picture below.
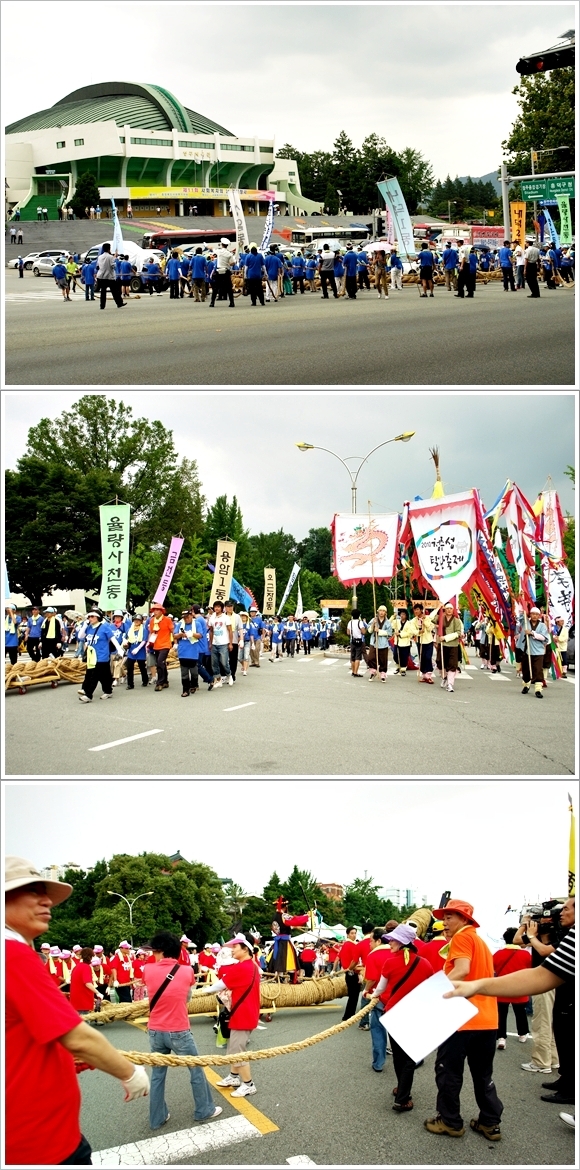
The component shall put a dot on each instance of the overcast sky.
(244, 444)
(435, 77)
(472, 838)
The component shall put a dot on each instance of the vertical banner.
(117, 245)
(390, 229)
(518, 223)
(269, 592)
(445, 534)
(268, 226)
(559, 588)
(115, 531)
(224, 571)
(242, 238)
(299, 605)
(291, 580)
(6, 584)
(565, 220)
(364, 548)
(552, 229)
(395, 203)
(571, 851)
(172, 558)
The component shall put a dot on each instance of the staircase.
(51, 202)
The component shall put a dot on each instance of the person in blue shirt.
(548, 268)
(198, 274)
(426, 265)
(298, 270)
(99, 635)
(88, 278)
(254, 270)
(135, 645)
(59, 274)
(450, 262)
(256, 627)
(339, 274)
(362, 268)
(152, 276)
(472, 273)
(396, 271)
(566, 265)
(173, 271)
(185, 263)
(276, 641)
(204, 664)
(507, 269)
(484, 260)
(323, 635)
(306, 633)
(290, 635)
(121, 625)
(273, 266)
(125, 274)
(188, 638)
(350, 267)
(11, 624)
(553, 256)
(311, 267)
(32, 635)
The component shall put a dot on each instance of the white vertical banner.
(395, 203)
(299, 605)
(268, 226)
(223, 572)
(559, 584)
(242, 238)
(291, 580)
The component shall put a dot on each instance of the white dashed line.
(239, 707)
(173, 1147)
(300, 1160)
(115, 742)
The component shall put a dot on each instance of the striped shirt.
(562, 961)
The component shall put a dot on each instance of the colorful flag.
(550, 524)
(115, 532)
(299, 605)
(172, 558)
(559, 589)
(364, 547)
(552, 229)
(395, 203)
(572, 851)
(445, 534)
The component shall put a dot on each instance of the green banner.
(533, 189)
(115, 531)
(565, 220)
(562, 187)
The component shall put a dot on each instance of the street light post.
(130, 904)
(403, 438)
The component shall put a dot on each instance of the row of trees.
(466, 200)
(189, 897)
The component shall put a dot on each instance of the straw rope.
(161, 1060)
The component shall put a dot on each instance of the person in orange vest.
(160, 642)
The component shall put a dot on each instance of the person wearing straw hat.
(532, 639)
(45, 1035)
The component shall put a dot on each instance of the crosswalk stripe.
(173, 1147)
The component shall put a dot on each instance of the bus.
(307, 236)
(177, 239)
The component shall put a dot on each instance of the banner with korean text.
(559, 587)
(242, 238)
(445, 534)
(291, 580)
(364, 548)
(565, 220)
(115, 531)
(269, 591)
(172, 558)
(518, 222)
(223, 572)
(395, 203)
(268, 227)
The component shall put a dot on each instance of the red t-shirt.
(348, 952)
(206, 960)
(121, 970)
(430, 951)
(80, 997)
(57, 964)
(308, 955)
(364, 947)
(184, 957)
(170, 1013)
(333, 953)
(374, 964)
(511, 959)
(42, 1093)
(237, 976)
(394, 967)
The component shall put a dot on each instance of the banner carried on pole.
(566, 236)
(572, 851)
(291, 580)
(518, 222)
(269, 592)
(268, 227)
(299, 605)
(224, 571)
(364, 547)
(395, 203)
(172, 558)
(242, 238)
(115, 532)
(445, 534)
(559, 589)
(117, 245)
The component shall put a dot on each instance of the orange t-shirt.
(466, 944)
(163, 627)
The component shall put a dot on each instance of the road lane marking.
(169, 1148)
(248, 1111)
(300, 1160)
(239, 707)
(115, 742)
(497, 677)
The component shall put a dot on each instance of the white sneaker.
(230, 681)
(501, 1044)
(522, 1039)
(217, 684)
(115, 682)
(569, 1119)
(218, 1109)
(106, 696)
(84, 698)
(245, 1090)
(530, 1067)
(450, 689)
(231, 1079)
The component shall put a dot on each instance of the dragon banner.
(364, 547)
(445, 535)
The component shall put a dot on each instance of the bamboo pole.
(374, 593)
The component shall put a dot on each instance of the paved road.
(296, 717)
(496, 340)
(330, 1106)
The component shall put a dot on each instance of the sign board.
(199, 192)
(563, 186)
(533, 189)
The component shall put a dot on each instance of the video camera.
(547, 915)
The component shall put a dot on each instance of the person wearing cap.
(421, 627)
(256, 630)
(207, 963)
(11, 624)
(467, 956)
(160, 639)
(403, 969)
(32, 633)
(51, 634)
(184, 956)
(135, 644)
(100, 964)
(244, 641)
(448, 646)
(237, 640)
(168, 1027)
(242, 979)
(532, 639)
(188, 638)
(44, 1036)
(222, 275)
(221, 642)
(380, 630)
(121, 972)
(45, 952)
(83, 984)
(98, 638)
(121, 626)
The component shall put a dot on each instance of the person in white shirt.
(520, 263)
(236, 624)
(222, 276)
(356, 629)
(220, 640)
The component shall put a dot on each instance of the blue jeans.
(182, 1044)
(378, 1037)
(80, 648)
(220, 661)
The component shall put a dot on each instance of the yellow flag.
(572, 855)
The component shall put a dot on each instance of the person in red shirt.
(402, 970)
(349, 962)
(83, 984)
(432, 950)
(242, 978)
(44, 1035)
(372, 974)
(160, 642)
(307, 958)
(511, 958)
(121, 972)
(184, 955)
(364, 947)
(169, 1030)
(206, 962)
(54, 966)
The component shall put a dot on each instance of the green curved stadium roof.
(148, 107)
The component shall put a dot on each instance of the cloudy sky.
(435, 77)
(50, 824)
(244, 444)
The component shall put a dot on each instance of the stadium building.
(144, 148)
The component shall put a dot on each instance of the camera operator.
(539, 935)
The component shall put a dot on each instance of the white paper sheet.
(423, 1019)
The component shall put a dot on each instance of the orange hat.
(458, 907)
(155, 605)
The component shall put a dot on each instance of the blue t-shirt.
(141, 653)
(99, 637)
(350, 262)
(484, 262)
(472, 262)
(126, 268)
(153, 271)
(88, 272)
(254, 265)
(173, 269)
(256, 627)
(338, 266)
(450, 259)
(185, 648)
(425, 258)
(505, 257)
(290, 631)
(11, 640)
(306, 631)
(298, 266)
(311, 267)
(396, 262)
(272, 264)
(201, 627)
(198, 267)
(59, 272)
(34, 624)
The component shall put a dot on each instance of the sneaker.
(501, 1044)
(403, 1108)
(217, 684)
(568, 1119)
(80, 691)
(491, 1132)
(210, 687)
(106, 696)
(525, 690)
(522, 1039)
(84, 699)
(450, 689)
(115, 682)
(246, 1089)
(530, 1067)
(437, 1125)
(539, 694)
(557, 1098)
(231, 1079)
(555, 1086)
(218, 1109)
(168, 1118)
(443, 684)
(230, 681)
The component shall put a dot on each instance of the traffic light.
(380, 225)
(542, 62)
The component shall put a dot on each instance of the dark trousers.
(298, 280)
(404, 1067)
(363, 279)
(254, 287)
(131, 664)
(383, 658)
(202, 667)
(222, 284)
(537, 667)
(234, 660)
(161, 660)
(462, 281)
(306, 644)
(479, 1048)
(174, 290)
(33, 647)
(401, 656)
(327, 278)
(564, 1032)
(49, 647)
(100, 673)
(125, 993)
(89, 292)
(189, 673)
(12, 652)
(353, 989)
(115, 288)
(290, 647)
(470, 283)
(521, 1019)
(350, 284)
(21, 271)
(426, 659)
(508, 279)
(81, 1156)
(532, 279)
(153, 287)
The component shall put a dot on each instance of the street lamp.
(403, 438)
(131, 903)
(449, 202)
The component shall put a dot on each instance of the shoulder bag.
(225, 1013)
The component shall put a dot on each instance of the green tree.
(545, 119)
(275, 549)
(415, 176)
(315, 551)
(272, 891)
(258, 914)
(87, 194)
(363, 904)
(192, 582)
(236, 900)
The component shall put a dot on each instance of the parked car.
(32, 256)
(43, 265)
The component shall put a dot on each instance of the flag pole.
(572, 851)
(374, 594)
